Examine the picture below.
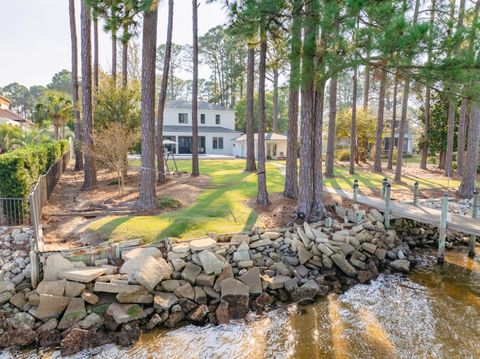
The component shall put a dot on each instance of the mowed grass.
(223, 208)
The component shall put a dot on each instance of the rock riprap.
(201, 281)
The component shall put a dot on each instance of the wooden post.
(34, 268)
(473, 239)
(443, 230)
(415, 194)
(355, 190)
(384, 184)
(387, 205)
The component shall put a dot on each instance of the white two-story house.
(216, 128)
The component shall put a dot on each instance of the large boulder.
(83, 275)
(74, 313)
(55, 264)
(401, 265)
(164, 301)
(211, 262)
(236, 294)
(145, 270)
(202, 244)
(51, 306)
(124, 313)
(141, 252)
(252, 279)
(54, 287)
(343, 264)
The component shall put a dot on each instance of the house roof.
(5, 100)
(270, 136)
(9, 115)
(216, 129)
(187, 105)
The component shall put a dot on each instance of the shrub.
(343, 155)
(20, 169)
(432, 160)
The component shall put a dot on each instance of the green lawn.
(219, 209)
(222, 207)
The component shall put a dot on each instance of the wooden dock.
(455, 222)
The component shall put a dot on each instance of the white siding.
(227, 141)
(227, 118)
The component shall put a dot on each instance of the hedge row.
(21, 168)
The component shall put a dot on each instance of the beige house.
(275, 146)
(8, 117)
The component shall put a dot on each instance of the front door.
(185, 145)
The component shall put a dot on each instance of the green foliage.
(168, 203)
(366, 126)
(61, 82)
(20, 169)
(117, 104)
(343, 155)
(241, 112)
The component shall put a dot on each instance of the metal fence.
(14, 212)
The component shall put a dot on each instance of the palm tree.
(195, 169)
(147, 198)
(163, 95)
(56, 108)
(90, 173)
(76, 112)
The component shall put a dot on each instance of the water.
(432, 313)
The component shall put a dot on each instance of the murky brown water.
(432, 313)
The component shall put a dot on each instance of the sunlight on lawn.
(223, 208)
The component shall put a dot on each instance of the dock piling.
(415, 194)
(387, 205)
(442, 230)
(473, 239)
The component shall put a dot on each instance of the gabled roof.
(272, 136)
(9, 115)
(5, 100)
(215, 129)
(187, 105)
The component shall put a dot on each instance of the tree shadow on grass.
(110, 226)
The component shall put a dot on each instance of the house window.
(202, 118)
(217, 143)
(217, 119)
(183, 118)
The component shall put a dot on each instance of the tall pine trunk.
(291, 176)
(125, 56)
(403, 120)
(275, 101)
(377, 164)
(195, 168)
(353, 128)
(467, 186)
(163, 95)
(332, 114)
(250, 165)
(95, 53)
(318, 207)
(452, 108)
(90, 173)
(307, 143)
(426, 127)
(394, 124)
(147, 199)
(366, 88)
(462, 133)
(262, 197)
(76, 112)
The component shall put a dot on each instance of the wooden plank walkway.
(455, 222)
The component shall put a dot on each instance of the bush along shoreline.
(209, 280)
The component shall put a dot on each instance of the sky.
(35, 36)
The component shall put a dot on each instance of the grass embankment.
(222, 207)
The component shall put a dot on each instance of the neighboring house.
(8, 117)
(216, 128)
(275, 146)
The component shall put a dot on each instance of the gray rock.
(277, 282)
(163, 301)
(51, 306)
(252, 279)
(202, 244)
(141, 252)
(237, 239)
(83, 275)
(303, 255)
(401, 265)
(211, 263)
(74, 313)
(145, 270)
(369, 247)
(205, 279)
(266, 242)
(91, 321)
(185, 291)
(115, 288)
(191, 272)
(307, 291)
(54, 265)
(124, 313)
(6, 286)
(139, 297)
(343, 264)
(236, 294)
(73, 289)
